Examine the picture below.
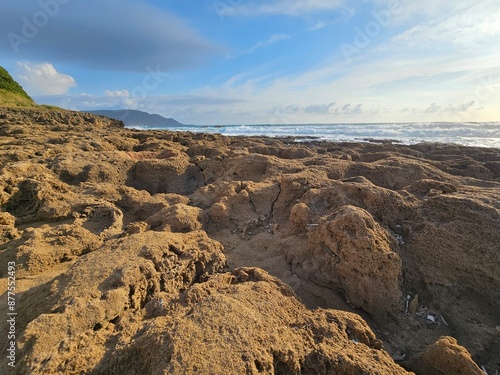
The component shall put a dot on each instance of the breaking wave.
(485, 134)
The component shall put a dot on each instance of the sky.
(260, 62)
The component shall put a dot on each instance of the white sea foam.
(486, 134)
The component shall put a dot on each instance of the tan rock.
(177, 218)
(250, 322)
(47, 247)
(103, 279)
(137, 227)
(445, 356)
(300, 216)
(105, 292)
(8, 231)
(38, 196)
(7, 219)
(165, 176)
(349, 250)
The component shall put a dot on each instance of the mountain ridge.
(132, 117)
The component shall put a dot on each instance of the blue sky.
(255, 61)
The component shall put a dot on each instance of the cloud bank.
(113, 35)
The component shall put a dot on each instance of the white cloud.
(117, 93)
(191, 109)
(269, 42)
(319, 108)
(466, 24)
(433, 108)
(407, 11)
(318, 26)
(44, 79)
(464, 107)
(470, 27)
(377, 88)
(286, 7)
(348, 109)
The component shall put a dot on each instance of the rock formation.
(153, 252)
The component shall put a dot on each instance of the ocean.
(477, 134)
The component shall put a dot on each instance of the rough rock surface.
(344, 246)
(248, 322)
(153, 252)
(445, 356)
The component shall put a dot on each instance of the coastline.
(121, 235)
(465, 134)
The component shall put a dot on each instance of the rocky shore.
(157, 252)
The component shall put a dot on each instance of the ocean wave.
(476, 134)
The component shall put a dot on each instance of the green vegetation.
(52, 107)
(9, 84)
(11, 92)
(8, 99)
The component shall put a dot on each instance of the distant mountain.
(137, 118)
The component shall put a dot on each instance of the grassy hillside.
(11, 92)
